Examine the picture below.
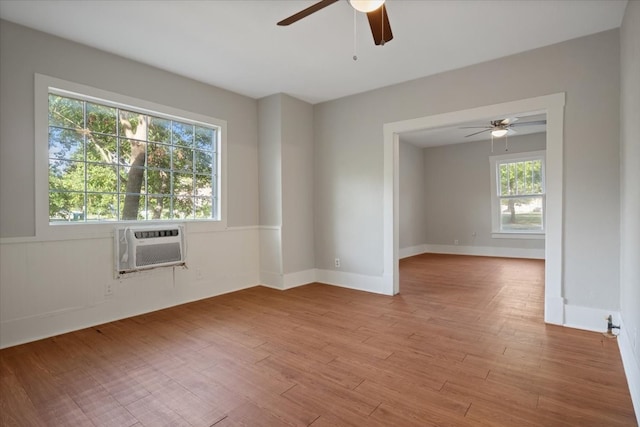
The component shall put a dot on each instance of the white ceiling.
(236, 45)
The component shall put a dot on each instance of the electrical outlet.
(455, 242)
(337, 262)
(108, 288)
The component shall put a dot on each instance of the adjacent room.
(221, 213)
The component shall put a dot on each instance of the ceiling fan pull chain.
(506, 142)
(492, 143)
(355, 51)
(382, 24)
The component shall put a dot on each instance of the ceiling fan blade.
(476, 133)
(534, 123)
(509, 120)
(380, 26)
(475, 127)
(306, 12)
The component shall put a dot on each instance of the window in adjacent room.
(518, 195)
(114, 162)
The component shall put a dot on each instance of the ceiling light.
(366, 6)
(499, 132)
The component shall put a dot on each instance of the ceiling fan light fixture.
(366, 6)
(499, 132)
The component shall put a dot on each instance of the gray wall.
(457, 184)
(25, 52)
(297, 185)
(630, 183)
(270, 160)
(286, 187)
(349, 155)
(412, 197)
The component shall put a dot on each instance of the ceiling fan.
(503, 127)
(375, 10)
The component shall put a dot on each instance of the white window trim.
(45, 231)
(496, 233)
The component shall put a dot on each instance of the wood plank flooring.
(463, 344)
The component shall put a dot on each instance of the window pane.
(159, 156)
(159, 207)
(132, 207)
(158, 182)
(203, 207)
(65, 175)
(521, 214)
(204, 138)
(66, 112)
(182, 184)
(203, 185)
(102, 148)
(518, 178)
(101, 178)
(183, 208)
(182, 159)
(131, 180)
(159, 130)
(102, 207)
(65, 144)
(66, 206)
(204, 162)
(101, 119)
(182, 134)
(129, 124)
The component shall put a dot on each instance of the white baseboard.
(471, 250)
(299, 278)
(271, 279)
(20, 331)
(587, 318)
(631, 366)
(554, 310)
(412, 251)
(359, 282)
(485, 251)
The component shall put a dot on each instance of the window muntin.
(111, 163)
(518, 194)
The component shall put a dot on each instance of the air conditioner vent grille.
(158, 254)
(150, 234)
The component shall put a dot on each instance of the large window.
(518, 193)
(110, 162)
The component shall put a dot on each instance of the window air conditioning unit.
(149, 246)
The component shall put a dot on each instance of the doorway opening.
(553, 107)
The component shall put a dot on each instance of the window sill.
(507, 235)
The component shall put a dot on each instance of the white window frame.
(495, 162)
(43, 86)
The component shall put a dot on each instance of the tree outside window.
(108, 163)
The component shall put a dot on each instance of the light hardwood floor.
(463, 344)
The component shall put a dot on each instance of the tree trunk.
(137, 162)
(512, 209)
(135, 180)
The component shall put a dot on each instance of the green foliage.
(91, 150)
(518, 178)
